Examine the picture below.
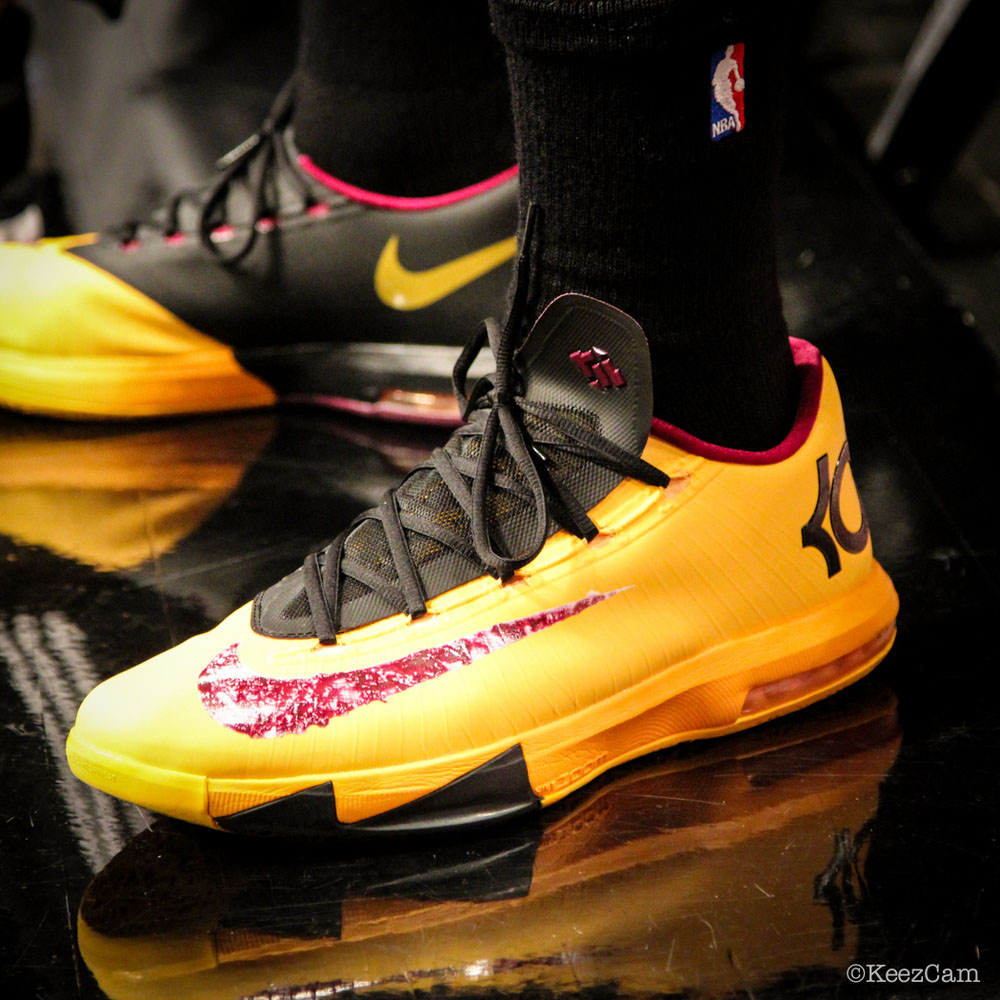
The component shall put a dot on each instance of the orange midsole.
(775, 694)
(713, 709)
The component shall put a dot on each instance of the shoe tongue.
(584, 355)
(583, 359)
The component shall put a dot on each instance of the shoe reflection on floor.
(706, 870)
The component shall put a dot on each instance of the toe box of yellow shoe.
(151, 715)
(75, 339)
(144, 736)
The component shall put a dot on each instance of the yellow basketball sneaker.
(566, 585)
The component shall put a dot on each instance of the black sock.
(403, 98)
(15, 31)
(642, 207)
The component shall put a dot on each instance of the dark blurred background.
(129, 102)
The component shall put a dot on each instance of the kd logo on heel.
(814, 535)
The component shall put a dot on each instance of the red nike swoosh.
(265, 707)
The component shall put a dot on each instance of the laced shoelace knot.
(257, 160)
(496, 413)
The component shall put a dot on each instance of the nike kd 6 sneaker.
(566, 585)
(276, 282)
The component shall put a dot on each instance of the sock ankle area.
(645, 207)
(404, 99)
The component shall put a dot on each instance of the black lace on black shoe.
(256, 162)
(488, 499)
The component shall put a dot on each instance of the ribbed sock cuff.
(602, 26)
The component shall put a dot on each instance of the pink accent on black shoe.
(809, 363)
(402, 204)
(388, 409)
(223, 233)
(598, 369)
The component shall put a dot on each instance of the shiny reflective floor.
(862, 830)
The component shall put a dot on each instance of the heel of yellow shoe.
(774, 698)
(786, 669)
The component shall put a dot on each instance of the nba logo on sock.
(727, 92)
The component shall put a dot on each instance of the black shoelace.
(256, 162)
(496, 412)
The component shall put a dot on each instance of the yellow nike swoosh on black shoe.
(204, 308)
(400, 288)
